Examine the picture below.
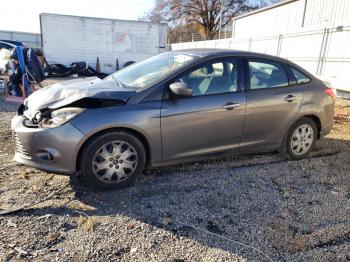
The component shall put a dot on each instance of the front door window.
(213, 78)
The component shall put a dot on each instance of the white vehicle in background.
(67, 39)
(5, 53)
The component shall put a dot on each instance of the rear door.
(211, 120)
(273, 102)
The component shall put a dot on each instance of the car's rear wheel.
(300, 139)
(112, 160)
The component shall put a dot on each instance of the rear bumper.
(325, 130)
(327, 119)
(49, 149)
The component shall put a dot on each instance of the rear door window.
(300, 77)
(266, 74)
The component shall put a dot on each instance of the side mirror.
(181, 89)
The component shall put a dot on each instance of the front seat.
(205, 83)
(220, 84)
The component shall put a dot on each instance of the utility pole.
(220, 23)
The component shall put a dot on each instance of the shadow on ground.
(274, 205)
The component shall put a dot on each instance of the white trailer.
(67, 39)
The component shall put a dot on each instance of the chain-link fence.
(192, 37)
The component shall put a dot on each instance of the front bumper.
(49, 149)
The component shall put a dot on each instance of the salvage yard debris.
(21, 69)
(76, 68)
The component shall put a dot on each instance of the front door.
(209, 121)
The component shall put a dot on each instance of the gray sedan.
(173, 107)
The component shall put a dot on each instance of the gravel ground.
(285, 210)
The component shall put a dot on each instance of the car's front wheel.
(300, 139)
(112, 160)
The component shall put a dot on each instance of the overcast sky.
(23, 15)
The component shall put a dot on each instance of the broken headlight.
(61, 116)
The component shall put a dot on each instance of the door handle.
(290, 98)
(230, 106)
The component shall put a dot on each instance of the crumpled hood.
(65, 93)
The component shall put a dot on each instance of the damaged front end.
(57, 117)
(49, 118)
(58, 104)
(43, 132)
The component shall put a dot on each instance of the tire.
(112, 160)
(300, 139)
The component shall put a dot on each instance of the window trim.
(267, 61)
(295, 81)
(240, 75)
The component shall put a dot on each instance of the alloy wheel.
(302, 139)
(114, 162)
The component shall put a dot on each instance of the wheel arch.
(315, 119)
(134, 132)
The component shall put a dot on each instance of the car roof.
(203, 52)
(217, 53)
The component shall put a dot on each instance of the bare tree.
(263, 3)
(207, 14)
(200, 17)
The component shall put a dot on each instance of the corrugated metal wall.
(294, 16)
(270, 22)
(327, 13)
(28, 39)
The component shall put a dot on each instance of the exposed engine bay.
(57, 104)
(43, 117)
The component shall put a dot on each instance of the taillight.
(331, 93)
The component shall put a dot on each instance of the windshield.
(151, 70)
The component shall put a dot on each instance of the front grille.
(19, 147)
